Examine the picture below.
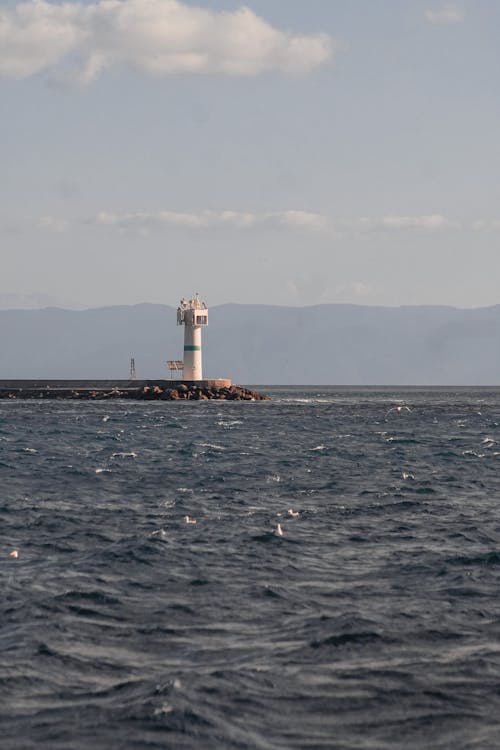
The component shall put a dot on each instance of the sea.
(321, 570)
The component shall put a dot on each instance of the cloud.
(448, 14)
(155, 37)
(351, 289)
(429, 222)
(292, 220)
(52, 224)
(303, 220)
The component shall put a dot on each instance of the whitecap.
(318, 448)
(103, 471)
(274, 478)
(165, 708)
(212, 445)
(131, 454)
(30, 450)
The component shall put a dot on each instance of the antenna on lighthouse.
(193, 315)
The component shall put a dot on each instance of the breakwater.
(143, 390)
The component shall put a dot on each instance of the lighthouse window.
(201, 319)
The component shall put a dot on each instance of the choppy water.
(372, 622)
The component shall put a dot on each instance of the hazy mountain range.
(324, 344)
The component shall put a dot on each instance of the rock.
(155, 391)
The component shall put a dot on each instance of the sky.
(277, 152)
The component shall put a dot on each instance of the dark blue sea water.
(372, 621)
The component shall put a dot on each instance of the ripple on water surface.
(318, 571)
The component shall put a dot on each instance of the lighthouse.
(193, 315)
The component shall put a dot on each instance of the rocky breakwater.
(150, 392)
(193, 392)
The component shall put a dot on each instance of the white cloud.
(292, 220)
(303, 220)
(432, 221)
(351, 289)
(156, 37)
(428, 222)
(448, 14)
(361, 289)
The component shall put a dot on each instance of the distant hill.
(324, 344)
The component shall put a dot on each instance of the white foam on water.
(103, 471)
(30, 450)
(212, 445)
(273, 478)
(159, 532)
(130, 454)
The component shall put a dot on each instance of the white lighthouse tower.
(193, 315)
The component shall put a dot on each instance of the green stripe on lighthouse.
(189, 348)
